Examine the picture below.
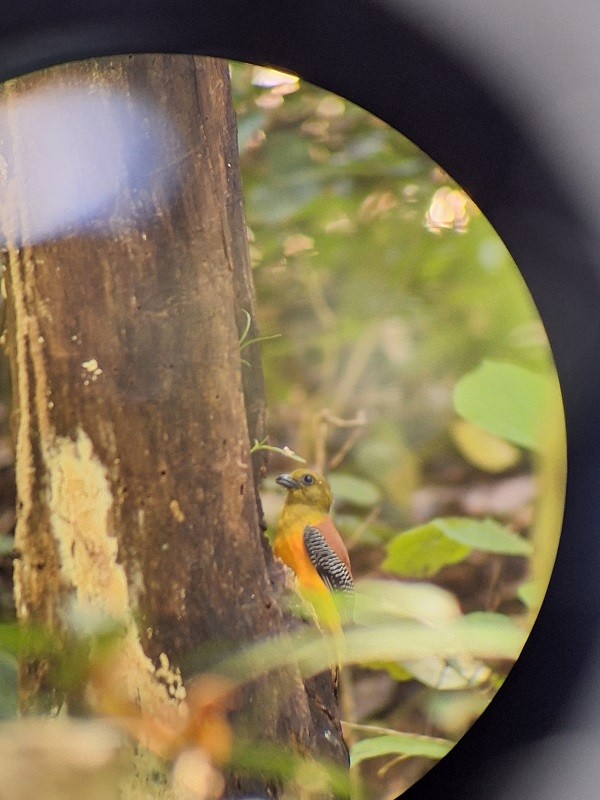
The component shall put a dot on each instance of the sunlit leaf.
(449, 674)
(394, 670)
(485, 534)
(422, 552)
(481, 635)
(448, 209)
(267, 77)
(483, 449)
(379, 601)
(506, 400)
(406, 744)
(531, 593)
(454, 712)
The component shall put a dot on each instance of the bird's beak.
(287, 481)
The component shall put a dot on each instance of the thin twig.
(284, 451)
(326, 419)
(341, 454)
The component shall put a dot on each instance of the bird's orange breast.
(290, 548)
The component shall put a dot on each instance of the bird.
(309, 543)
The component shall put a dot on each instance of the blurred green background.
(408, 362)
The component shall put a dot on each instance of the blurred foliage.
(424, 550)
(506, 400)
(411, 366)
(403, 744)
(403, 357)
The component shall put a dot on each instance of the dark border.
(372, 55)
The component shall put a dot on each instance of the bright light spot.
(285, 88)
(267, 78)
(331, 107)
(90, 365)
(268, 101)
(377, 204)
(410, 193)
(448, 209)
(297, 243)
(341, 224)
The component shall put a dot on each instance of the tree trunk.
(136, 494)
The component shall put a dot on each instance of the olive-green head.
(307, 487)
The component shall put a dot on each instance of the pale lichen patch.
(80, 506)
(92, 368)
(171, 678)
(176, 511)
(90, 365)
(80, 501)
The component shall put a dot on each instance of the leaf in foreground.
(481, 635)
(422, 551)
(405, 744)
(506, 400)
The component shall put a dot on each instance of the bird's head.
(307, 487)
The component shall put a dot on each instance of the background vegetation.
(404, 357)
(409, 363)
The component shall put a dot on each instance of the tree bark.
(136, 493)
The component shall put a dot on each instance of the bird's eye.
(308, 479)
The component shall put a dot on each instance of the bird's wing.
(331, 535)
(332, 570)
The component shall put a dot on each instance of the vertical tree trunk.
(136, 495)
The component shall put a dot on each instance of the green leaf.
(382, 601)
(488, 621)
(531, 593)
(482, 635)
(506, 400)
(449, 674)
(422, 552)
(394, 670)
(18, 640)
(483, 534)
(356, 491)
(405, 744)
(482, 449)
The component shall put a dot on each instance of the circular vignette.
(376, 57)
